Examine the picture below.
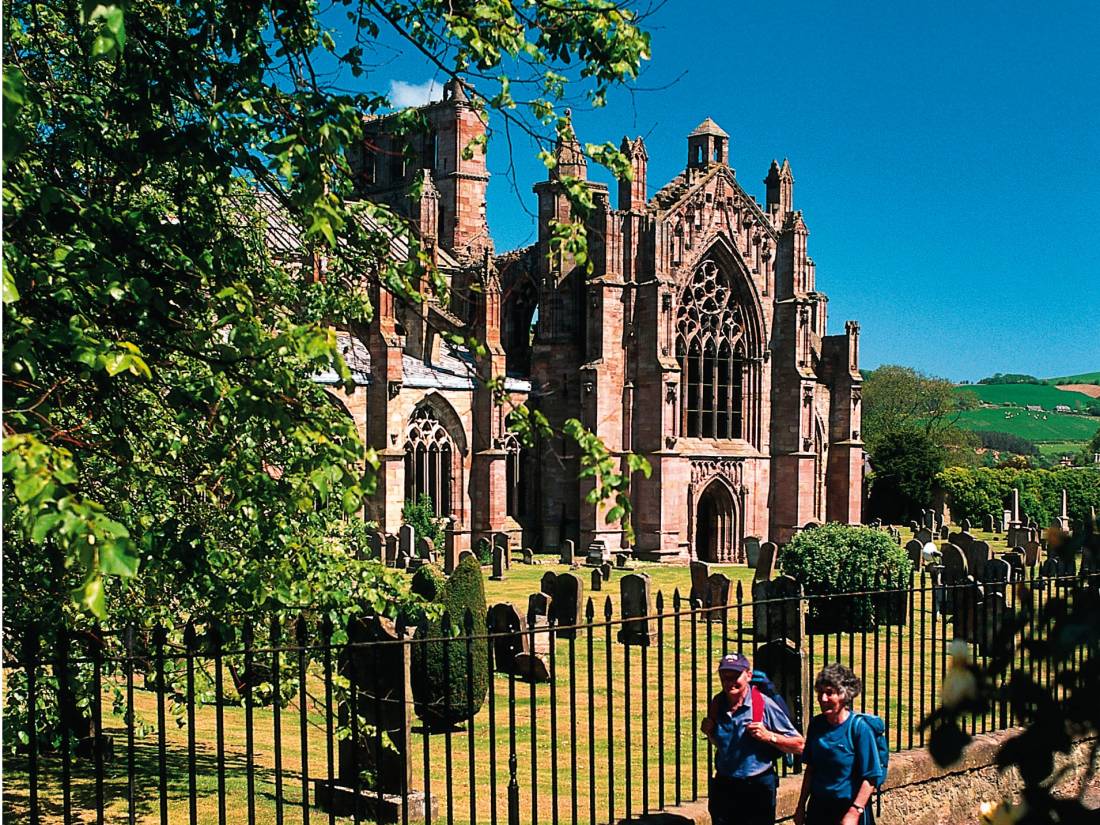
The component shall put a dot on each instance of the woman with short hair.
(841, 758)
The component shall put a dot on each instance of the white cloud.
(403, 95)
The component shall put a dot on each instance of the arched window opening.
(429, 453)
(709, 347)
(514, 477)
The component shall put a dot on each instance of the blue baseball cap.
(733, 661)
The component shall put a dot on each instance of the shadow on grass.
(147, 798)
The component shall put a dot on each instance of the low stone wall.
(919, 792)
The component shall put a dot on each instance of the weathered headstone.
(528, 555)
(379, 676)
(923, 535)
(977, 554)
(752, 550)
(598, 553)
(622, 560)
(636, 607)
(539, 606)
(1033, 552)
(785, 664)
(406, 540)
(700, 572)
(605, 570)
(501, 540)
(913, 550)
(995, 575)
(532, 667)
(498, 563)
(568, 604)
(1016, 562)
(508, 634)
(765, 567)
(965, 525)
(548, 584)
(597, 580)
(778, 610)
(393, 550)
(989, 523)
(720, 595)
(567, 552)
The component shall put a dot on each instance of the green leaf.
(116, 558)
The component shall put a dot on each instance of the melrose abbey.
(697, 340)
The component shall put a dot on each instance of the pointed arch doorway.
(715, 524)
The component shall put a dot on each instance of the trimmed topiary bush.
(837, 558)
(445, 690)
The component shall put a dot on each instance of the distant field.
(1080, 378)
(1022, 395)
(1030, 425)
(1057, 449)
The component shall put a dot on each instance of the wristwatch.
(859, 808)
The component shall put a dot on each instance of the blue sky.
(945, 157)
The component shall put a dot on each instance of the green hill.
(1046, 396)
(1080, 378)
(1037, 427)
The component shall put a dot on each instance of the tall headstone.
(700, 572)
(786, 665)
(450, 551)
(752, 550)
(1015, 505)
(989, 523)
(568, 604)
(406, 540)
(636, 607)
(720, 596)
(501, 540)
(945, 531)
(597, 580)
(977, 554)
(539, 606)
(393, 549)
(377, 543)
(498, 563)
(765, 567)
(567, 553)
(508, 634)
(953, 578)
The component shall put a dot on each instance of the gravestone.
(501, 540)
(913, 527)
(498, 563)
(532, 667)
(508, 635)
(567, 552)
(700, 572)
(966, 526)
(989, 523)
(605, 570)
(636, 607)
(392, 550)
(720, 595)
(995, 575)
(778, 611)
(528, 555)
(923, 535)
(548, 584)
(752, 550)
(377, 543)
(451, 555)
(913, 549)
(425, 553)
(568, 604)
(977, 554)
(953, 576)
(378, 673)
(406, 540)
(1016, 562)
(963, 540)
(1006, 520)
(1050, 568)
(765, 567)
(597, 580)
(598, 553)
(622, 560)
(1033, 553)
(463, 554)
(945, 531)
(539, 607)
(786, 664)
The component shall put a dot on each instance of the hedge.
(974, 492)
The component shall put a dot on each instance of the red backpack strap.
(757, 699)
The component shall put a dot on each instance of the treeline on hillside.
(1006, 443)
(974, 492)
(1011, 378)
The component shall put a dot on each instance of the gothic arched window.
(429, 453)
(711, 352)
(513, 477)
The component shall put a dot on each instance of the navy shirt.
(739, 755)
(841, 757)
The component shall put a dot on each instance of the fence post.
(30, 657)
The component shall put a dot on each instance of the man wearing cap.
(749, 731)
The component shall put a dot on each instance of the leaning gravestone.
(786, 665)
(752, 550)
(539, 607)
(508, 631)
(597, 580)
(720, 595)
(636, 607)
(700, 572)
(567, 552)
(379, 678)
(568, 604)
(765, 567)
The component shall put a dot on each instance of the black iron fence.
(299, 719)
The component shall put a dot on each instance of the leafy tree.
(1007, 442)
(421, 516)
(905, 465)
(898, 399)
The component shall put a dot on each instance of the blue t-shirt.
(841, 757)
(739, 755)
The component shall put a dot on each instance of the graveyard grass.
(550, 740)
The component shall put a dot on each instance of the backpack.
(882, 744)
(760, 683)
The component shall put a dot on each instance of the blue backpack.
(761, 683)
(882, 744)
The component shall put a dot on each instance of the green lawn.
(1034, 426)
(659, 693)
(1045, 395)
